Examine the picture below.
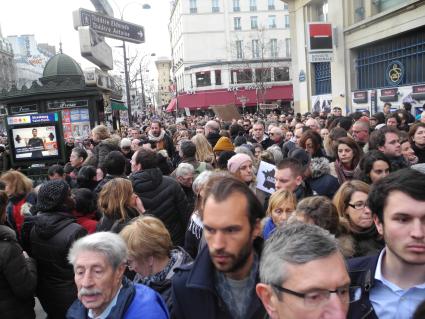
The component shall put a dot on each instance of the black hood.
(47, 225)
(146, 180)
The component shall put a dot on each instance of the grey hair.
(201, 180)
(183, 169)
(109, 244)
(295, 244)
(244, 150)
(276, 151)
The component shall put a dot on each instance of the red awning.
(172, 105)
(205, 99)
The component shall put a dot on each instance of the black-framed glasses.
(347, 294)
(358, 205)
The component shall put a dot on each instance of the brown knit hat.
(223, 144)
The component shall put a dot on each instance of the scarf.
(196, 227)
(159, 276)
(343, 173)
(156, 138)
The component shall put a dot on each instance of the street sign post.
(94, 49)
(109, 27)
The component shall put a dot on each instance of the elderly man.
(212, 129)
(360, 133)
(276, 135)
(99, 261)
(185, 174)
(259, 136)
(304, 281)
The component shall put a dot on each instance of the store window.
(203, 79)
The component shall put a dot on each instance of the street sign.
(109, 27)
(320, 57)
(94, 49)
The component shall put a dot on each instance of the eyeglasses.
(358, 205)
(319, 297)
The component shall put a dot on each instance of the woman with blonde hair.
(282, 204)
(151, 254)
(118, 204)
(351, 203)
(19, 190)
(204, 151)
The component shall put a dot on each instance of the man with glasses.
(393, 282)
(299, 280)
(276, 135)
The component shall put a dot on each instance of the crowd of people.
(166, 220)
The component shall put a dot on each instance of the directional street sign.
(109, 27)
(94, 49)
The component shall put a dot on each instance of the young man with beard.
(388, 142)
(158, 135)
(220, 283)
(393, 282)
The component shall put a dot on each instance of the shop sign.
(395, 72)
(67, 104)
(360, 97)
(389, 95)
(23, 109)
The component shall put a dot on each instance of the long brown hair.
(115, 198)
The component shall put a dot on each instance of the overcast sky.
(51, 22)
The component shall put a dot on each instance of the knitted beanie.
(223, 144)
(236, 161)
(52, 195)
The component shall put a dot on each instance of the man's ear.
(268, 298)
(381, 149)
(299, 180)
(379, 225)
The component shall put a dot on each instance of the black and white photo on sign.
(265, 177)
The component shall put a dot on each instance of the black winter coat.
(195, 295)
(18, 278)
(51, 237)
(163, 197)
(115, 225)
(101, 150)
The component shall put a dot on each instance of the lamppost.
(145, 6)
(141, 82)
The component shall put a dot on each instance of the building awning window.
(118, 106)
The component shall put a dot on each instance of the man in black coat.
(220, 283)
(162, 196)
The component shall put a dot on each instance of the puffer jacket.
(163, 197)
(50, 238)
(321, 181)
(101, 150)
(18, 278)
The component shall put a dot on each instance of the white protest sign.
(265, 177)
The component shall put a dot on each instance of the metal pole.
(143, 90)
(127, 85)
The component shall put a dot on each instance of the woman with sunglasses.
(351, 203)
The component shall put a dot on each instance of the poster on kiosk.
(35, 139)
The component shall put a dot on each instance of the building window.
(288, 47)
(286, 21)
(215, 6)
(203, 79)
(217, 77)
(241, 76)
(239, 52)
(236, 6)
(193, 7)
(281, 74)
(273, 48)
(374, 62)
(253, 5)
(254, 23)
(237, 23)
(285, 6)
(255, 49)
(263, 75)
(272, 22)
(271, 4)
(322, 75)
